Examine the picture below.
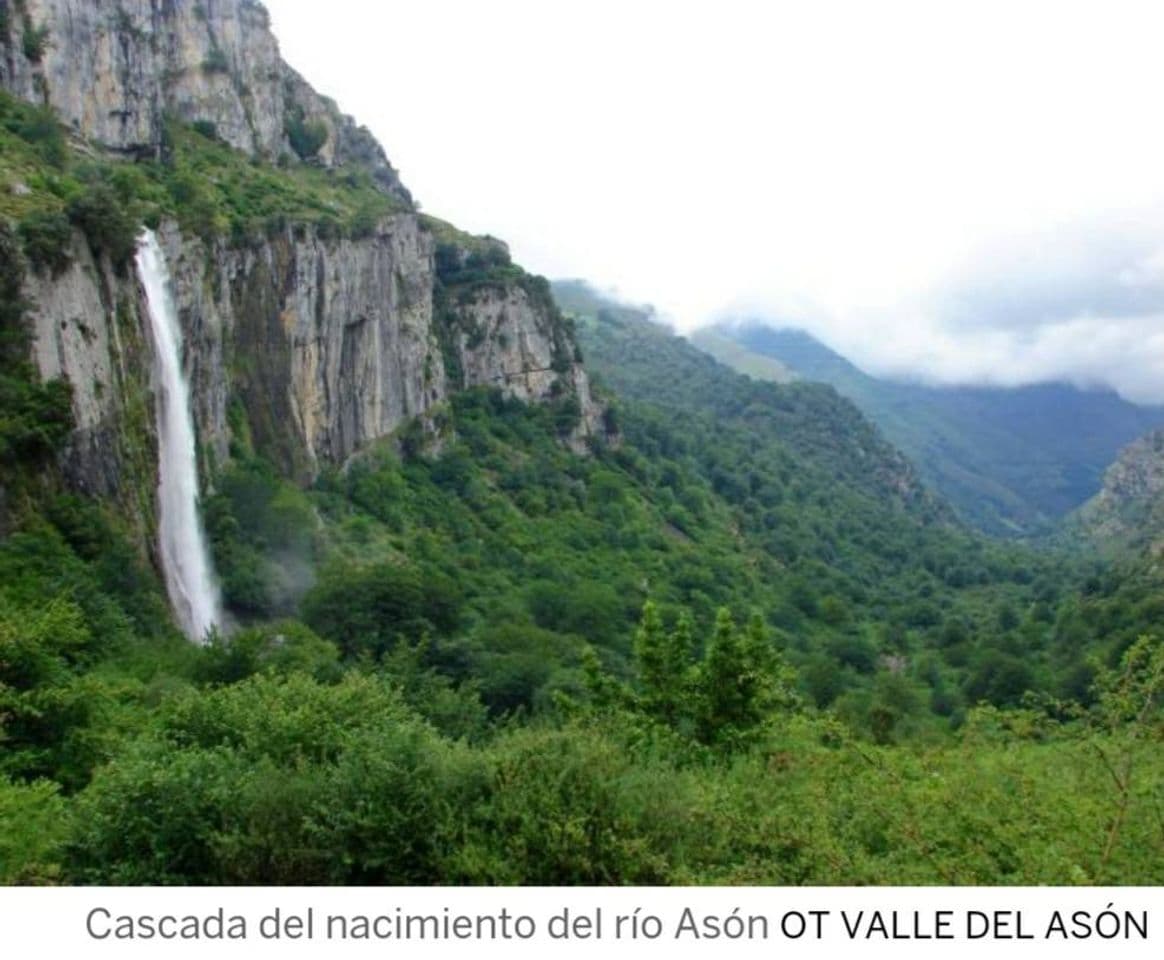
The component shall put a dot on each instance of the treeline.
(739, 644)
(505, 665)
(268, 759)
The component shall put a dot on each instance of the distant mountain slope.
(1010, 461)
(820, 432)
(728, 351)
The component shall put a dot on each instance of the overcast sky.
(968, 192)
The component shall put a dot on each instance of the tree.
(664, 662)
(735, 682)
(1127, 722)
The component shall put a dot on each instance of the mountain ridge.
(321, 310)
(1126, 517)
(1014, 462)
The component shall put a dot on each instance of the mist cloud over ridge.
(1082, 304)
(960, 193)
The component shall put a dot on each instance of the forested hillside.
(473, 688)
(1013, 462)
(482, 625)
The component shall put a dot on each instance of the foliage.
(306, 137)
(35, 41)
(47, 235)
(32, 826)
(1011, 461)
(210, 188)
(1129, 720)
(262, 535)
(739, 683)
(268, 781)
(474, 656)
(370, 609)
(663, 662)
(282, 647)
(106, 215)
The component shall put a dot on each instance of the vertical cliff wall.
(319, 338)
(322, 346)
(115, 69)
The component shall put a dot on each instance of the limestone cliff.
(114, 69)
(316, 341)
(1128, 512)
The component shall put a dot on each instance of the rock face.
(333, 344)
(1128, 512)
(318, 346)
(507, 339)
(113, 70)
(313, 344)
(88, 329)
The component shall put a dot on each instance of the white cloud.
(955, 191)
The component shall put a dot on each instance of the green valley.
(514, 585)
(1013, 462)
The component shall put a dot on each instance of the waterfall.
(186, 564)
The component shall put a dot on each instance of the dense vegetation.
(210, 189)
(738, 642)
(1011, 461)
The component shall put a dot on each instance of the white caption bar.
(718, 923)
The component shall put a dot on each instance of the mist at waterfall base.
(190, 583)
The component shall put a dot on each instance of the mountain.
(321, 310)
(1126, 517)
(1012, 461)
(480, 623)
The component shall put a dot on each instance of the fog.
(958, 193)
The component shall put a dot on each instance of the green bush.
(40, 127)
(50, 715)
(32, 826)
(107, 220)
(371, 609)
(205, 128)
(306, 137)
(216, 62)
(565, 807)
(283, 648)
(35, 42)
(278, 781)
(47, 236)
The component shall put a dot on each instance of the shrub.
(279, 781)
(107, 222)
(32, 818)
(35, 42)
(216, 62)
(306, 137)
(369, 609)
(35, 419)
(39, 126)
(46, 235)
(205, 128)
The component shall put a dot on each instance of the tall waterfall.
(186, 564)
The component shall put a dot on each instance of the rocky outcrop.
(333, 343)
(88, 329)
(114, 70)
(311, 342)
(509, 339)
(318, 346)
(1127, 515)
